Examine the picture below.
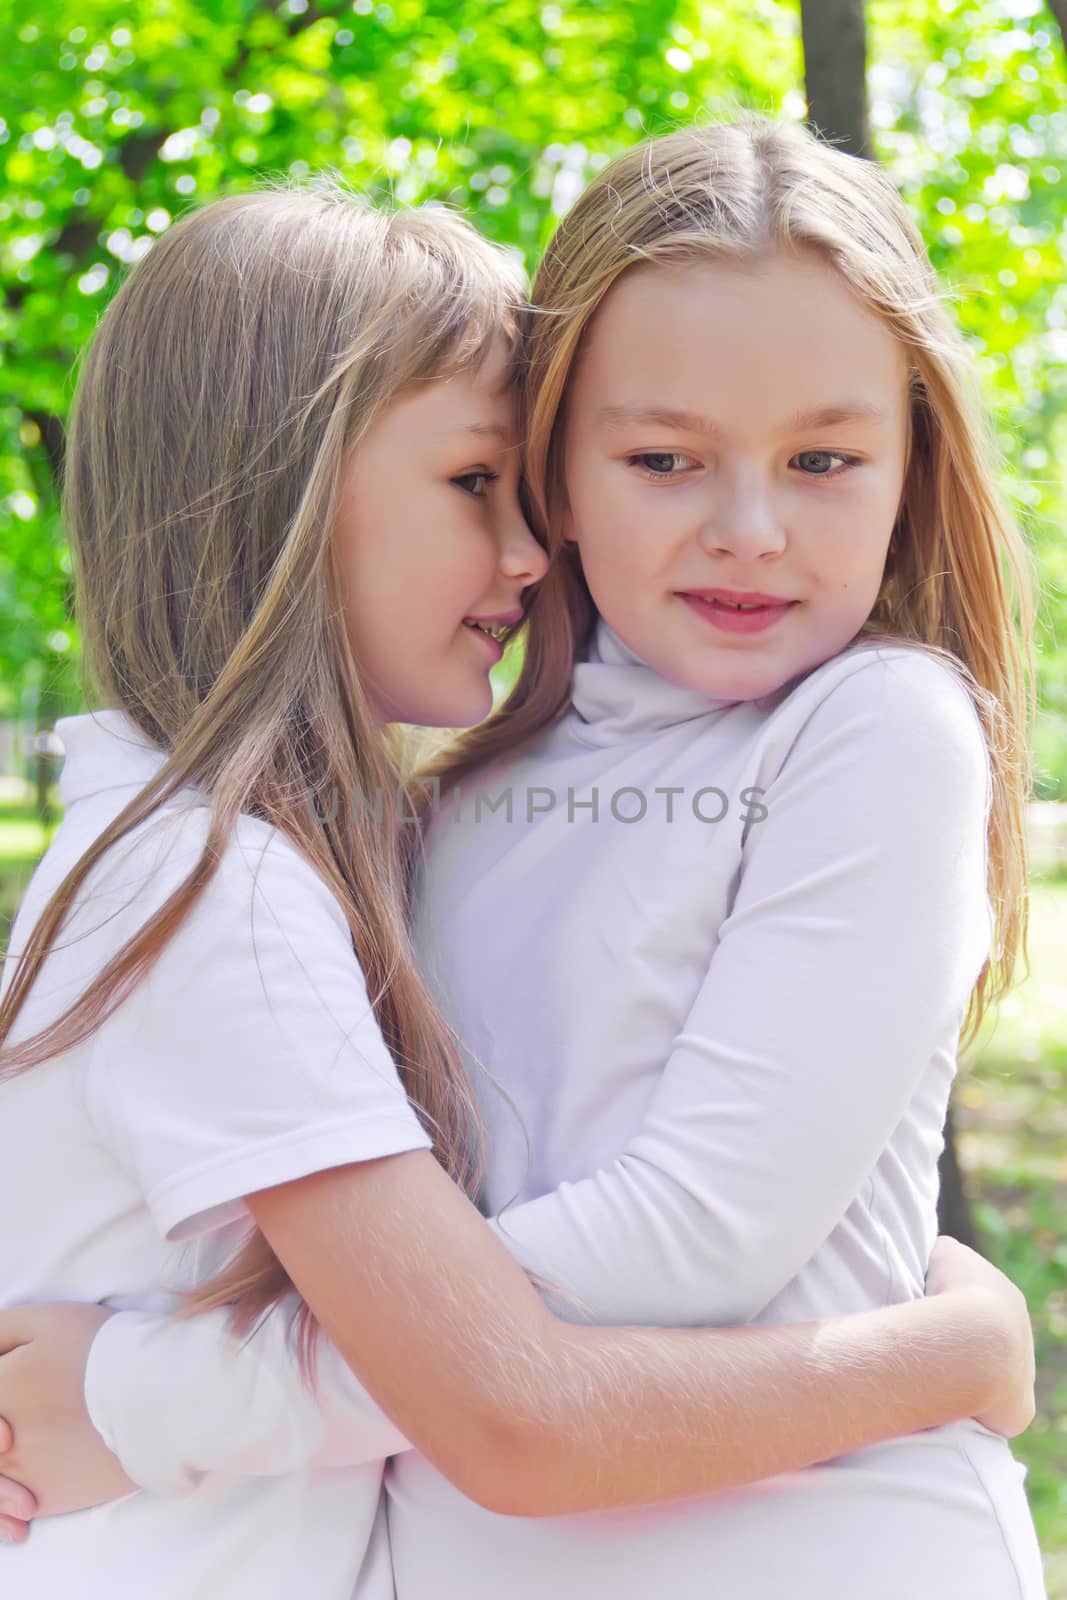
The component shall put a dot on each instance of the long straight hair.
(239, 365)
(957, 581)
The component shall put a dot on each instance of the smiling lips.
(493, 629)
(737, 611)
(496, 627)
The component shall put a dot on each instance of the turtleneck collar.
(618, 696)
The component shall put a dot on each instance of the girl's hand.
(51, 1456)
(954, 1267)
(17, 1504)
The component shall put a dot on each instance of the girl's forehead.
(476, 404)
(706, 290)
(778, 337)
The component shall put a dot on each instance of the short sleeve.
(250, 1055)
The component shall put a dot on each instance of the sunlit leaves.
(115, 118)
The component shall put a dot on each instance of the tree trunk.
(1059, 11)
(953, 1206)
(834, 37)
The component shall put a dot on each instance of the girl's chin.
(469, 705)
(464, 711)
(440, 691)
(475, 710)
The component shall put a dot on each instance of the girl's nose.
(521, 557)
(743, 522)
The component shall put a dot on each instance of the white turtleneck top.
(717, 956)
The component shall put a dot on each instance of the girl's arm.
(859, 927)
(531, 1416)
(528, 1415)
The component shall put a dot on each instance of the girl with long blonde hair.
(252, 699)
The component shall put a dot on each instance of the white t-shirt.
(248, 1057)
(731, 1043)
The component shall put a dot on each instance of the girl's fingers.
(17, 1503)
(12, 1531)
(7, 1438)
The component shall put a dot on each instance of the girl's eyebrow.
(496, 430)
(692, 422)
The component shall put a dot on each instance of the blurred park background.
(114, 118)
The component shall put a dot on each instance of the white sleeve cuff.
(175, 1399)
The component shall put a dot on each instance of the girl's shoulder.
(259, 875)
(107, 762)
(261, 861)
(885, 708)
(903, 685)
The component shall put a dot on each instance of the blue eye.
(658, 463)
(467, 481)
(826, 455)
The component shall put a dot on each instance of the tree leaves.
(117, 118)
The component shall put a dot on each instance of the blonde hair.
(957, 579)
(237, 367)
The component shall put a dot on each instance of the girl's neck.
(619, 696)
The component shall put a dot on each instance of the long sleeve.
(858, 929)
(176, 1400)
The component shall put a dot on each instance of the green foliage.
(971, 116)
(1011, 1113)
(119, 116)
